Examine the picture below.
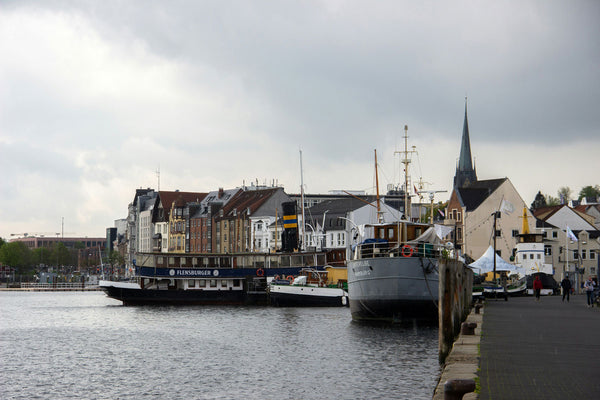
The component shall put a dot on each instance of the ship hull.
(393, 289)
(131, 296)
(307, 296)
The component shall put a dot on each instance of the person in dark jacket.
(566, 288)
(537, 287)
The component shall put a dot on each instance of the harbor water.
(83, 345)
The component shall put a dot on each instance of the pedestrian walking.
(589, 290)
(566, 288)
(537, 287)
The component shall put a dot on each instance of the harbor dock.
(530, 349)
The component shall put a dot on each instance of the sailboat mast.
(302, 200)
(406, 161)
(377, 188)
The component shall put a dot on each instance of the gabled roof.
(143, 195)
(166, 198)
(248, 200)
(473, 195)
(341, 205)
(546, 212)
(335, 209)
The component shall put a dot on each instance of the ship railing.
(57, 286)
(387, 249)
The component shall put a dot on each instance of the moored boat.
(390, 281)
(157, 283)
(311, 288)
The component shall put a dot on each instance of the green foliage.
(60, 255)
(116, 258)
(564, 194)
(589, 191)
(552, 201)
(539, 201)
(16, 255)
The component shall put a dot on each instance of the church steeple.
(465, 173)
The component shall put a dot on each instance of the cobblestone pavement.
(540, 350)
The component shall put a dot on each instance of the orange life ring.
(260, 272)
(290, 278)
(410, 251)
(276, 277)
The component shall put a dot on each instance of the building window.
(592, 255)
(548, 250)
(498, 233)
(554, 234)
(583, 255)
(454, 214)
(458, 233)
(458, 217)
(515, 232)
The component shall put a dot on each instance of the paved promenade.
(540, 350)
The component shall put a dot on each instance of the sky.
(97, 96)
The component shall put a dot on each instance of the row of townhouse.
(247, 219)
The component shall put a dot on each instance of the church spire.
(465, 173)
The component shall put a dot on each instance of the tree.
(564, 194)
(116, 259)
(552, 201)
(589, 191)
(16, 255)
(60, 254)
(539, 201)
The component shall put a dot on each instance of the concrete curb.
(463, 360)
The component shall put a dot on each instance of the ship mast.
(302, 200)
(379, 215)
(406, 161)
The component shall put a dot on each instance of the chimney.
(220, 192)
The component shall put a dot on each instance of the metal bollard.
(468, 328)
(455, 389)
(477, 308)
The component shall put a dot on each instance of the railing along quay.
(65, 287)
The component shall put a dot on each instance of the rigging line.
(437, 305)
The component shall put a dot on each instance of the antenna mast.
(302, 199)
(158, 176)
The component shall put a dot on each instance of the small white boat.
(310, 289)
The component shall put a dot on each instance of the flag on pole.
(506, 207)
(571, 235)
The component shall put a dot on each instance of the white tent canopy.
(485, 263)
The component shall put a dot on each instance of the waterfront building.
(472, 210)
(140, 201)
(583, 256)
(241, 225)
(201, 220)
(591, 210)
(166, 231)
